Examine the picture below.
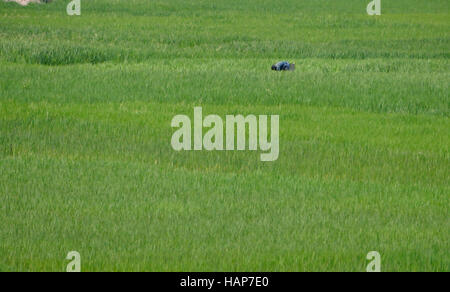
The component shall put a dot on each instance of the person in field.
(283, 66)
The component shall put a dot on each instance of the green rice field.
(86, 162)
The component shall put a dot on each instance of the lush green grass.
(85, 156)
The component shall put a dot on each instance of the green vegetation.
(85, 156)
